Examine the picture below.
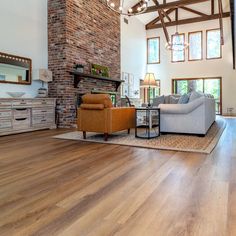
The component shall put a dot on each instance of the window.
(153, 50)
(195, 46)
(178, 56)
(213, 44)
(211, 86)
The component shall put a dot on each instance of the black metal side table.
(147, 122)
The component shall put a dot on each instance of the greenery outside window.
(211, 86)
(153, 50)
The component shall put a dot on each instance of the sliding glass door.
(206, 85)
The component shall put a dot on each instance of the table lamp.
(45, 76)
(149, 82)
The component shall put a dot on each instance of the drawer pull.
(21, 109)
(43, 120)
(19, 119)
(44, 111)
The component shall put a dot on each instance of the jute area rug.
(175, 142)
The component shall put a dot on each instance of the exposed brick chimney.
(83, 32)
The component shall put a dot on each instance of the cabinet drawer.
(45, 102)
(5, 124)
(42, 119)
(22, 103)
(5, 113)
(21, 113)
(42, 111)
(21, 123)
(5, 103)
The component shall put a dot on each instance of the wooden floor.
(58, 187)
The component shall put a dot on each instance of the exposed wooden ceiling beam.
(158, 18)
(212, 7)
(173, 5)
(232, 7)
(193, 11)
(221, 22)
(189, 21)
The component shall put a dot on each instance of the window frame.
(159, 51)
(202, 78)
(172, 36)
(212, 58)
(189, 34)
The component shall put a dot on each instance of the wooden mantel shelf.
(78, 76)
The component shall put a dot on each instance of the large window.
(214, 49)
(211, 86)
(153, 50)
(178, 55)
(195, 46)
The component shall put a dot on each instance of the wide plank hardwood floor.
(60, 187)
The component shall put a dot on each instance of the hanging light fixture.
(177, 44)
(121, 8)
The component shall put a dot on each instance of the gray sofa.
(195, 117)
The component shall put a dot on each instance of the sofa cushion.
(174, 100)
(183, 99)
(195, 95)
(158, 100)
(104, 99)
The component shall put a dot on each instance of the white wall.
(23, 27)
(205, 68)
(133, 50)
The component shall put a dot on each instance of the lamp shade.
(149, 81)
(42, 75)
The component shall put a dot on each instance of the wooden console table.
(18, 115)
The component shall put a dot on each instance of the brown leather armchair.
(97, 114)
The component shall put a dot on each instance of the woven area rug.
(175, 142)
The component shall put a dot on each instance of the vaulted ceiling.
(165, 13)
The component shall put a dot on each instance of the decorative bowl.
(16, 94)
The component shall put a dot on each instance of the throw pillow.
(158, 100)
(183, 99)
(195, 95)
(174, 100)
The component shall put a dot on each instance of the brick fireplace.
(83, 32)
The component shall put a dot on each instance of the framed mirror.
(15, 69)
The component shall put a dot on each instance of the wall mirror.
(15, 69)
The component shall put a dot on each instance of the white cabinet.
(22, 115)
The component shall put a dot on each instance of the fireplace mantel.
(78, 76)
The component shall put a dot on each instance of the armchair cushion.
(92, 106)
(98, 99)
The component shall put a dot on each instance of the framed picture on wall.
(124, 90)
(131, 79)
(125, 77)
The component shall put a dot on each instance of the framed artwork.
(125, 77)
(99, 70)
(131, 79)
(124, 90)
